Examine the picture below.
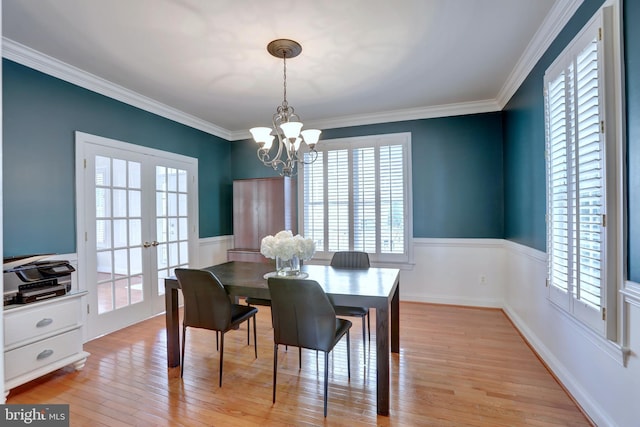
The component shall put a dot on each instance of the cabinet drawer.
(39, 354)
(26, 325)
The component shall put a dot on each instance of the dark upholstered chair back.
(206, 303)
(350, 259)
(302, 314)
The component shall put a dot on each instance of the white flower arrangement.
(285, 245)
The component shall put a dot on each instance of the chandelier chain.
(284, 60)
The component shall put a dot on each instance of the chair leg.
(364, 341)
(349, 356)
(369, 323)
(217, 348)
(300, 357)
(275, 369)
(249, 326)
(221, 355)
(255, 336)
(184, 337)
(326, 380)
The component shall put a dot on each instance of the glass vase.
(288, 267)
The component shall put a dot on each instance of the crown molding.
(561, 12)
(446, 110)
(38, 61)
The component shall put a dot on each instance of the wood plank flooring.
(457, 366)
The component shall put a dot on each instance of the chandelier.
(287, 125)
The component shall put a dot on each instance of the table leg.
(382, 358)
(173, 329)
(395, 321)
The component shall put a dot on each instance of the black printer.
(31, 278)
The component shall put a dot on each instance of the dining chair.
(266, 303)
(353, 260)
(207, 306)
(303, 317)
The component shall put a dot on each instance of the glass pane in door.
(171, 222)
(118, 233)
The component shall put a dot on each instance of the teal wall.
(476, 176)
(41, 114)
(457, 172)
(523, 124)
(632, 71)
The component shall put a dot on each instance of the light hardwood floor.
(457, 367)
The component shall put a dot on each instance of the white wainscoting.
(213, 250)
(591, 368)
(456, 271)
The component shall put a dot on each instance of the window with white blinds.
(356, 196)
(576, 171)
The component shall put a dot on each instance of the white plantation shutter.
(391, 199)
(314, 200)
(338, 200)
(590, 184)
(575, 160)
(364, 199)
(356, 197)
(558, 247)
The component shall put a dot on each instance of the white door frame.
(83, 141)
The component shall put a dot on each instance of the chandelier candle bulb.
(261, 135)
(291, 129)
(311, 137)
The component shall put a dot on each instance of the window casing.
(581, 185)
(357, 196)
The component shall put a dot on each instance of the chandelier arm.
(313, 154)
(263, 156)
(276, 119)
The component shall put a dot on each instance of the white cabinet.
(42, 337)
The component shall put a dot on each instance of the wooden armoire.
(261, 207)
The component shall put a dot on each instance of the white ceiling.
(363, 61)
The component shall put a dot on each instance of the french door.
(137, 222)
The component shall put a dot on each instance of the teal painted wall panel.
(524, 172)
(457, 172)
(41, 114)
(632, 71)
(525, 193)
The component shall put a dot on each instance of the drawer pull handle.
(44, 322)
(44, 354)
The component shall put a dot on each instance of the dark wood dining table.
(376, 288)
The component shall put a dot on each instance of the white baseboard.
(568, 381)
(455, 300)
(545, 327)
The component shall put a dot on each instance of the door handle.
(155, 243)
(148, 244)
